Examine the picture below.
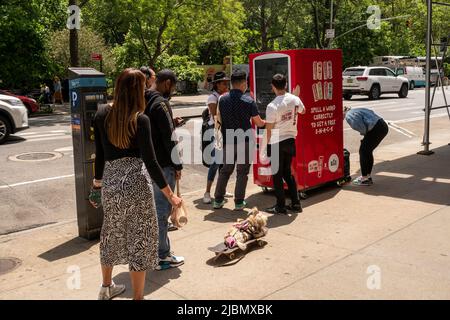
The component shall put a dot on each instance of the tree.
(149, 28)
(269, 20)
(90, 42)
(74, 54)
(24, 28)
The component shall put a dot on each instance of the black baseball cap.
(239, 75)
(166, 74)
(220, 76)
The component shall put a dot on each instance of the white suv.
(13, 116)
(373, 82)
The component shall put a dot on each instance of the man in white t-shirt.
(281, 127)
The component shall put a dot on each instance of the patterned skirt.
(130, 227)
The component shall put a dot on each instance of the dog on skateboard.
(242, 231)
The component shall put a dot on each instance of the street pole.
(426, 135)
(73, 42)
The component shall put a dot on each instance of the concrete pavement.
(389, 241)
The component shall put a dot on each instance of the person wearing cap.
(150, 77)
(163, 127)
(220, 87)
(374, 129)
(236, 111)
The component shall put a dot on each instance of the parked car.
(373, 82)
(13, 116)
(29, 103)
(415, 75)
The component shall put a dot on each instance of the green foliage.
(23, 55)
(89, 42)
(181, 33)
(184, 68)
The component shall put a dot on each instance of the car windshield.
(354, 72)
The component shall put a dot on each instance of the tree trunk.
(317, 31)
(264, 27)
(74, 56)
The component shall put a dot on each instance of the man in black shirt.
(163, 126)
(236, 112)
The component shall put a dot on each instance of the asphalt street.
(35, 193)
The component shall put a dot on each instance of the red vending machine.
(320, 149)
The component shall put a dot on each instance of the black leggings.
(371, 140)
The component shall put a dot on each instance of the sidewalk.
(389, 241)
(184, 106)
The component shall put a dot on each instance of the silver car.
(13, 116)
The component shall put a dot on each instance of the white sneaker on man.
(170, 261)
(107, 293)
(207, 198)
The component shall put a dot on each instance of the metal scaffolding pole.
(426, 136)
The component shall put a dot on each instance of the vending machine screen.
(265, 69)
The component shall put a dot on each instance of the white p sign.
(74, 20)
(74, 99)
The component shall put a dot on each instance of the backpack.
(205, 127)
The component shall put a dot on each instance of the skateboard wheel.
(261, 243)
(231, 256)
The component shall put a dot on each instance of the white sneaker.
(107, 293)
(229, 195)
(207, 198)
(170, 262)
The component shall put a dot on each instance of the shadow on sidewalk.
(263, 201)
(414, 177)
(154, 281)
(70, 248)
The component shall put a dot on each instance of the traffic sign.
(330, 33)
(96, 57)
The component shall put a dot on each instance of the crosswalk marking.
(36, 136)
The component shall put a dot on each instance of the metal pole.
(426, 136)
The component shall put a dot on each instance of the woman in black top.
(125, 166)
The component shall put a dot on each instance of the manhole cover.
(8, 264)
(36, 156)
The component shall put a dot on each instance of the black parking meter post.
(87, 91)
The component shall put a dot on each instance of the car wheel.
(374, 93)
(348, 96)
(5, 129)
(403, 91)
(412, 85)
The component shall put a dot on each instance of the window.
(389, 73)
(354, 72)
(377, 72)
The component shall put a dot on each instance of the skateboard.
(222, 250)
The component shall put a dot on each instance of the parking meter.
(87, 89)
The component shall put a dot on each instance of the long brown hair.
(129, 102)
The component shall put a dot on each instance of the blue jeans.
(212, 172)
(163, 210)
